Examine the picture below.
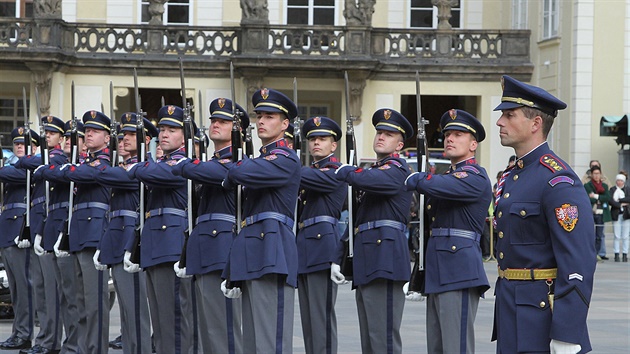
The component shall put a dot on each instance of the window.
(176, 12)
(16, 8)
(11, 115)
(424, 15)
(550, 18)
(519, 14)
(311, 12)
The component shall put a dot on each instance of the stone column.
(255, 26)
(357, 81)
(358, 24)
(41, 75)
(444, 40)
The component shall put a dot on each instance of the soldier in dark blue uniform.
(318, 240)
(458, 203)
(42, 267)
(209, 244)
(89, 222)
(544, 221)
(64, 267)
(163, 237)
(381, 255)
(119, 237)
(263, 256)
(17, 259)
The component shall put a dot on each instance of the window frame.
(141, 3)
(520, 14)
(550, 19)
(434, 15)
(311, 10)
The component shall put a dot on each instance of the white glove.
(39, 167)
(37, 246)
(26, 243)
(181, 160)
(342, 166)
(559, 347)
(64, 166)
(60, 253)
(128, 265)
(412, 295)
(180, 272)
(406, 179)
(233, 293)
(336, 276)
(97, 264)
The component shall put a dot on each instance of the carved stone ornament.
(50, 9)
(444, 12)
(359, 12)
(254, 12)
(156, 10)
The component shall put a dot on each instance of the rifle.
(203, 142)
(141, 151)
(43, 144)
(113, 136)
(346, 264)
(26, 222)
(189, 138)
(64, 244)
(297, 146)
(416, 282)
(249, 144)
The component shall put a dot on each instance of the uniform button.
(163, 227)
(453, 247)
(52, 189)
(429, 207)
(319, 235)
(304, 202)
(501, 255)
(500, 214)
(378, 242)
(433, 218)
(14, 217)
(542, 304)
(506, 195)
(523, 213)
(89, 218)
(515, 177)
(214, 232)
(500, 234)
(262, 234)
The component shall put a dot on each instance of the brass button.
(262, 234)
(506, 195)
(500, 214)
(433, 218)
(515, 177)
(453, 247)
(378, 242)
(163, 227)
(214, 232)
(523, 213)
(429, 207)
(14, 217)
(89, 218)
(500, 234)
(52, 189)
(304, 202)
(319, 235)
(542, 304)
(501, 255)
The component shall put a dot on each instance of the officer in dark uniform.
(322, 197)
(42, 267)
(17, 259)
(263, 256)
(545, 248)
(163, 237)
(381, 255)
(458, 204)
(119, 237)
(64, 267)
(89, 222)
(209, 244)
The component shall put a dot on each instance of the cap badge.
(170, 110)
(317, 121)
(20, 131)
(387, 114)
(452, 113)
(93, 114)
(49, 119)
(264, 93)
(502, 84)
(221, 102)
(128, 117)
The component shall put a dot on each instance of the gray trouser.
(46, 301)
(450, 321)
(380, 305)
(93, 300)
(17, 262)
(134, 310)
(65, 273)
(317, 295)
(219, 317)
(268, 307)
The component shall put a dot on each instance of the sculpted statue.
(254, 11)
(359, 12)
(47, 8)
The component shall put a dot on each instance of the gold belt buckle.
(147, 214)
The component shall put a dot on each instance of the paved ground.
(608, 321)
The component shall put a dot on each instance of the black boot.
(625, 257)
(616, 257)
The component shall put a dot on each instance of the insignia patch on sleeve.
(171, 162)
(224, 161)
(567, 216)
(384, 167)
(460, 174)
(561, 179)
(552, 163)
(471, 169)
(95, 163)
(324, 169)
(576, 276)
(270, 157)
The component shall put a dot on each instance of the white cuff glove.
(180, 272)
(128, 265)
(342, 166)
(39, 167)
(59, 253)
(412, 295)
(233, 293)
(37, 246)
(26, 243)
(559, 347)
(97, 264)
(181, 160)
(336, 276)
(406, 179)
(64, 166)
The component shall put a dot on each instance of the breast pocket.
(533, 317)
(214, 241)
(524, 221)
(454, 256)
(261, 245)
(378, 250)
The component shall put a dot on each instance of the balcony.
(267, 50)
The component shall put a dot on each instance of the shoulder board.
(470, 168)
(561, 179)
(224, 161)
(279, 152)
(552, 163)
(394, 162)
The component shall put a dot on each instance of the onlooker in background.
(620, 212)
(587, 176)
(600, 197)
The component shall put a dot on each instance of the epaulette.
(394, 162)
(552, 163)
(471, 168)
(279, 152)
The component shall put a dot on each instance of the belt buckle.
(243, 223)
(301, 225)
(147, 214)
